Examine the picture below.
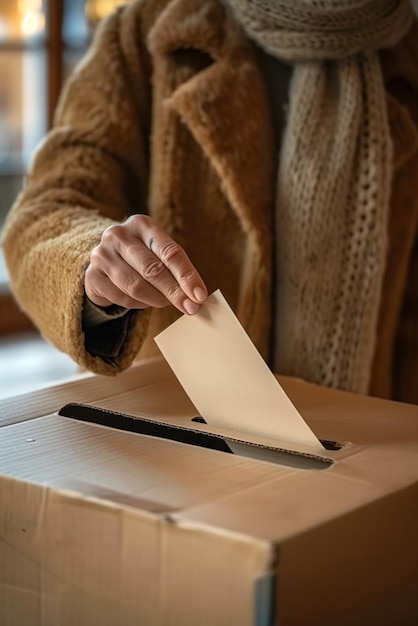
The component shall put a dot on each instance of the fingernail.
(200, 294)
(191, 307)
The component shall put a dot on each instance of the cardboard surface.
(104, 526)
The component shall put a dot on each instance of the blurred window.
(41, 41)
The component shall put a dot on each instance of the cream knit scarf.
(334, 179)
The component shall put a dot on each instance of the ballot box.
(120, 506)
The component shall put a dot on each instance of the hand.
(137, 265)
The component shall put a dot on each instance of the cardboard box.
(100, 526)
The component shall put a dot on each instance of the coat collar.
(225, 105)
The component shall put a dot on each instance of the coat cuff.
(106, 329)
(94, 315)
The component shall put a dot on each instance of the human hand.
(137, 265)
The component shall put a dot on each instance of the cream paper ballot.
(226, 378)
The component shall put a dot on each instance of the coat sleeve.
(89, 172)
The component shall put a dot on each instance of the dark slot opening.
(143, 426)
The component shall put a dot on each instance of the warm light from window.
(98, 9)
(32, 17)
(33, 24)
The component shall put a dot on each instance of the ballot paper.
(227, 379)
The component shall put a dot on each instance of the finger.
(134, 287)
(171, 254)
(108, 293)
(155, 273)
(176, 260)
(110, 280)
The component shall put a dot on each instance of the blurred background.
(40, 43)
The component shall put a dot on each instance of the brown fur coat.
(169, 114)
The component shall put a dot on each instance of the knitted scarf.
(334, 180)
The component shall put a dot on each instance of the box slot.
(189, 436)
(327, 443)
